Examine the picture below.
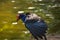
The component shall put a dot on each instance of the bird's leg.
(45, 37)
(40, 38)
(36, 39)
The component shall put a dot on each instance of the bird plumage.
(37, 29)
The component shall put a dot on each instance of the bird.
(37, 29)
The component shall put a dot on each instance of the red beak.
(18, 17)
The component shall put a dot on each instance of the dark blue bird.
(37, 29)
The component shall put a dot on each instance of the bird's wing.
(37, 28)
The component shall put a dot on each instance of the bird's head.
(19, 14)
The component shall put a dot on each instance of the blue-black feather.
(36, 28)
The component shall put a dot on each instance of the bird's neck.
(23, 17)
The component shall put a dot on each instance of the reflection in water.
(26, 32)
(13, 1)
(5, 39)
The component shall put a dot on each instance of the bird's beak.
(18, 17)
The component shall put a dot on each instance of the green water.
(9, 31)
